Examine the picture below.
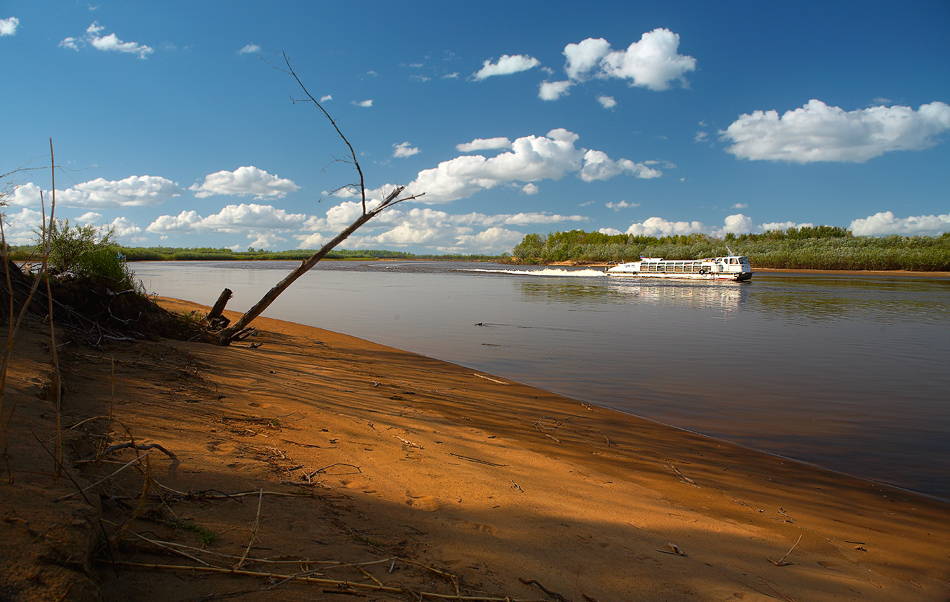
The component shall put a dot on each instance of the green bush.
(88, 253)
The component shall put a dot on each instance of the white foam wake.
(549, 272)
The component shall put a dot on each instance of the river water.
(849, 372)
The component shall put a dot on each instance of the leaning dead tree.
(238, 329)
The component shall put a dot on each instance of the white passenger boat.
(731, 267)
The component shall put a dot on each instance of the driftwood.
(227, 335)
(214, 316)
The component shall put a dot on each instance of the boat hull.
(740, 277)
(734, 268)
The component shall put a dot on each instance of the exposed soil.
(384, 475)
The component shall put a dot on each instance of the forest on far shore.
(815, 248)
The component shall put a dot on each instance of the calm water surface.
(847, 372)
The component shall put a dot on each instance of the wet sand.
(429, 476)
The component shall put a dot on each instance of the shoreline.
(462, 483)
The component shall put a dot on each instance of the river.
(849, 372)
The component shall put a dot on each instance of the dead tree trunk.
(231, 332)
(234, 331)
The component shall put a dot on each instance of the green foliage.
(88, 253)
(819, 247)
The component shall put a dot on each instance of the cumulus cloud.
(244, 181)
(554, 90)
(782, 226)
(506, 65)
(886, 223)
(607, 102)
(106, 43)
(530, 158)
(740, 206)
(653, 62)
(263, 224)
(125, 229)
(659, 227)
(363, 103)
(326, 97)
(134, 191)
(250, 49)
(483, 144)
(19, 228)
(90, 217)
(404, 149)
(530, 189)
(8, 26)
(437, 230)
(598, 166)
(621, 205)
(817, 132)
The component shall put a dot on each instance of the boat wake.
(544, 272)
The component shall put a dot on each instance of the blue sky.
(511, 117)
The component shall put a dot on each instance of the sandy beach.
(306, 464)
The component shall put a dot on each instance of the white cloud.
(817, 132)
(107, 43)
(264, 224)
(740, 206)
(90, 217)
(25, 195)
(885, 223)
(363, 103)
(653, 62)
(610, 231)
(244, 181)
(8, 26)
(607, 102)
(659, 227)
(530, 158)
(761, 228)
(530, 189)
(175, 224)
(125, 230)
(621, 205)
(506, 65)
(554, 90)
(584, 57)
(250, 49)
(738, 224)
(133, 191)
(326, 97)
(18, 228)
(404, 149)
(436, 230)
(598, 166)
(483, 144)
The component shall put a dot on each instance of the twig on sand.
(322, 581)
(476, 460)
(674, 550)
(100, 481)
(554, 595)
(132, 445)
(494, 380)
(682, 477)
(781, 561)
(257, 522)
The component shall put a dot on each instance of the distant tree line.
(818, 247)
(26, 252)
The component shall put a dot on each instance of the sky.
(177, 124)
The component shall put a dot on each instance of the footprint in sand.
(481, 528)
(422, 502)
